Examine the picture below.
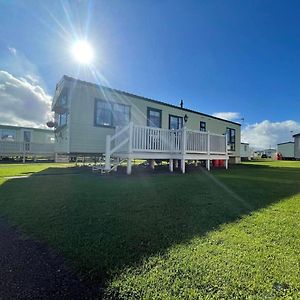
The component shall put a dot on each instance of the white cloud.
(12, 50)
(268, 134)
(231, 116)
(32, 78)
(23, 102)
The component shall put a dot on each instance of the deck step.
(115, 162)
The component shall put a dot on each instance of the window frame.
(200, 128)
(60, 118)
(27, 135)
(112, 119)
(63, 95)
(14, 135)
(148, 116)
(178, 117)
(231, 143)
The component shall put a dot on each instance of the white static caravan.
(286, 150)
(245, 151)
(17, 141)
(297, 145)
(270, 153)
(100, 121)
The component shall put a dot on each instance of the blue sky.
(218, 56)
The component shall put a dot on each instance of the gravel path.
(30, 270)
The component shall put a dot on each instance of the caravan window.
(50, 139)
(61, 119)
(103, 113)
(175, 122)
(154, 117)
(111, 114)
(230, 139)
(8, 135)
(64, 99)
(202, 126)
(121, 114)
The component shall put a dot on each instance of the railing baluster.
(164, 140)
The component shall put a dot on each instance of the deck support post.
(129, 160)
(152, 162)
(183, 165)
(129, 166)
(24, 157)
(176, 163)
(196, 163)
(226, 164)
(171, 166)
(208, 164)
(183, 149)
(107, 154)
(118, 162)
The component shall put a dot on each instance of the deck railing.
(10, 148)
(149, 139)
(197, 141)
(136, 139)
(217, 144)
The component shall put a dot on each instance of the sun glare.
(83, 52)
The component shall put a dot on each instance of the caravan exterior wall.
(26, 141)
(297, 146)
(16, 134)
(287, 150)
(245, 151)
(83, 133)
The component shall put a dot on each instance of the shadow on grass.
(103, 224)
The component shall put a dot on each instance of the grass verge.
(225, 234)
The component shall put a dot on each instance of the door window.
(231, 139)
(175, 122)
(27, 136)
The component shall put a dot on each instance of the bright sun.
(83, 52)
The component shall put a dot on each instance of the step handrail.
(119, 132)
(109, 150)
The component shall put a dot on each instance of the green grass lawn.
(221, 235)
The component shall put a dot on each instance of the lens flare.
(83, 52)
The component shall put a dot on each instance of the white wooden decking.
(23, 149)
(141, 142)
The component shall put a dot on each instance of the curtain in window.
(104, 113)
(120, 115)
(112, 114)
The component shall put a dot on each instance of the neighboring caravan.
(286, 150)
(297, 146)
(95, 120)
(25, 142)
(269, 153)
(245, 151)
